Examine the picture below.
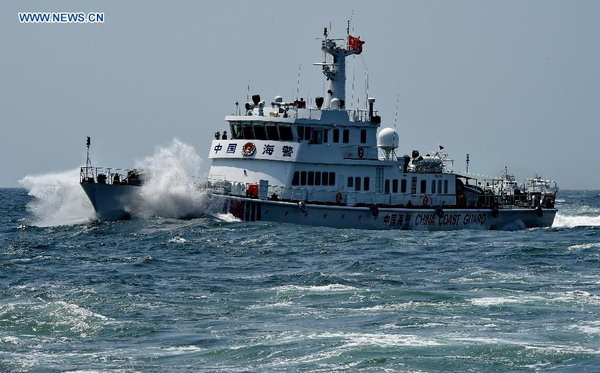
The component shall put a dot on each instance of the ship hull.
(428, 219)
(112, 202)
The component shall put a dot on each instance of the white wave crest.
(58, 199)
(177, 240)
(378, 339)
(316, 288)
(570, 221)
(585, 246)
(228, 218)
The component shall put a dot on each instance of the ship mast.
(335, 71)
(88, 161)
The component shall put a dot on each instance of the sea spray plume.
(169, 189)
(58, 199)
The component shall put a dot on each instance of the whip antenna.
(397, 103)
(298, 85)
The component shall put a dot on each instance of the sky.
(512, 83)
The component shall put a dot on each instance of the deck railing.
(110, 175)
(351, 198)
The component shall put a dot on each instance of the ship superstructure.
(325, 153)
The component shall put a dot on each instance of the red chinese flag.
(355, 44)
(441, 147)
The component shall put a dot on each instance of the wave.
(572, 221)
(58, 199)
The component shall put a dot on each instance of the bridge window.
(318, 178)
(307, 133)
(363, 136)
(303, 178)
(300, 132)
(445, 186)
(439, 187)
(259, 132)
(285, 133)
(366, 183)
(423, 186)
(273, 133)
(403, 186)
(303, 132)
(325, 136)
(296, 179)
(395, 186)
(413, 185)
(236, 131)
(346, 136)
(336, 135)
(311, 178)
(433, 187)
(247, 132)
(332, 178)
(317, 136)
(350, 182)
(387, 186)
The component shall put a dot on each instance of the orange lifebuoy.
(361, 152)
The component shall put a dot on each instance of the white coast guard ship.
(326, 165)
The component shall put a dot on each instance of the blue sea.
(156, 294)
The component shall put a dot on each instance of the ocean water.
(164, 294)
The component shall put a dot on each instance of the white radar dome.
(335, 103)
(387, 139)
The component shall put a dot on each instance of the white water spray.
(58, 199)
(170, 189)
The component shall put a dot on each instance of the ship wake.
(573, 221)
